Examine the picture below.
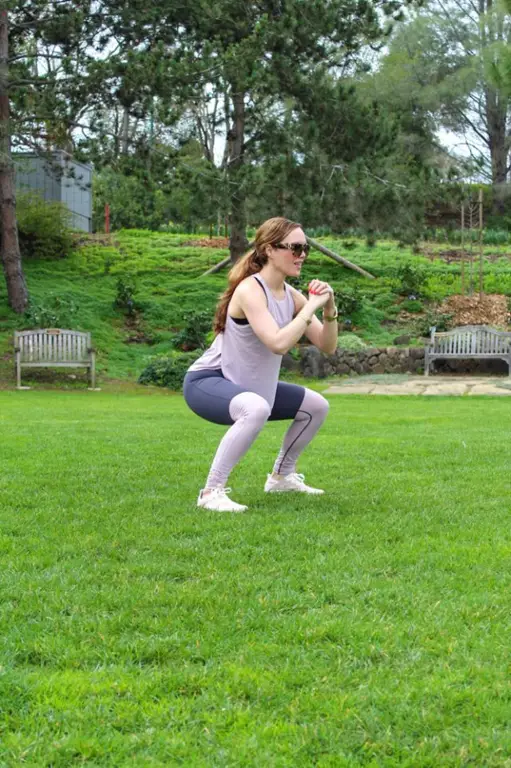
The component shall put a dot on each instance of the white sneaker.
(292, 482)
(218, 501)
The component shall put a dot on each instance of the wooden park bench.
(54, 348)
(468, 341)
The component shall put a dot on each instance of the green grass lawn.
(368, 627)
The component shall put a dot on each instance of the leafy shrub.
(412, 305)
(348, 301)
(408, 237)
(350, 341)
(495, 237)
(54, 312)
(124, 299)
(439, 320)
(43, 228)
(168, 371)
(411, 278)
(497, 283)
(384, 300)
(443, 284)
(321, 231)
(495, 233)
(499, 223)
(194, 334)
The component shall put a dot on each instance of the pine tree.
(255, 55)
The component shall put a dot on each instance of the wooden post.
(463, 248)
(317, 246)
(338, 259)
(471, 265)
(92, 370)
(17, 352)
(217, 267)
(480, 244)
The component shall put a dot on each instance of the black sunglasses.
(296, 248)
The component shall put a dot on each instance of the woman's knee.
(315, 404)
(251, 407)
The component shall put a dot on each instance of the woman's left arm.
(322, 334)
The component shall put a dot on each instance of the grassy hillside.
(80, 291)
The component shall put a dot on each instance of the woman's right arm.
(278, 340)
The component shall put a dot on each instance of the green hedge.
(168, 371)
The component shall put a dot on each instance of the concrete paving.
(421, 385)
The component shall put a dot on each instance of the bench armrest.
(17, 349)
(91, 349)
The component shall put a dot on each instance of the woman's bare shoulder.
(248, 287)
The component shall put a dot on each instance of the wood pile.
(491, 309)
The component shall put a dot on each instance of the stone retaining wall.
(344, 362)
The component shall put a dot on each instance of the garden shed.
(58, 178)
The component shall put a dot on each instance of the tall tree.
(443, 63)
(254, 55)
(354, 165)
(17, 294)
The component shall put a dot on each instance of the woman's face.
(288, 256)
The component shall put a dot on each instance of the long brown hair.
(271, 232)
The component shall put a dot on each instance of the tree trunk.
(17, 294)
(238, 242)
(496, 118)
(125, 135)
(496, 104)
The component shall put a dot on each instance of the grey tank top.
(242, 356)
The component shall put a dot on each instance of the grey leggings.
(217, 399)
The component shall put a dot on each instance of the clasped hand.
(321, 294)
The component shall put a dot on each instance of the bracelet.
(304, 318)
(331, 318)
